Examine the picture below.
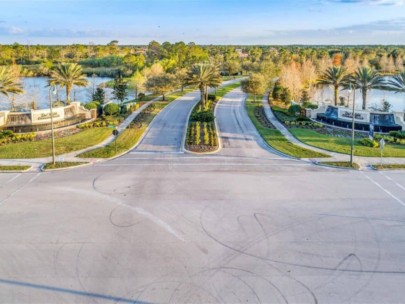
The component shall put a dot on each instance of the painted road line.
(385, 190)
(395, 182)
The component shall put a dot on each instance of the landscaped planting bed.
(201, 131)
(66, 144)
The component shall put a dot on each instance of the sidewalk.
(361, 160)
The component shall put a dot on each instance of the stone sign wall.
(359, 116)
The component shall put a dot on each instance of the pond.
(36, 90)
(374, 98)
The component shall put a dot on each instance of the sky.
(247, 22)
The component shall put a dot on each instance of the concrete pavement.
(183, 228)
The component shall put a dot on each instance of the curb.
(335, 167)
(16, 171)
(42, 169)
(216, 131)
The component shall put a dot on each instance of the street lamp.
(352, 141)
(52, 90)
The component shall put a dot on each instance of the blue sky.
(203, 21)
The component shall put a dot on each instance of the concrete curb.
(16, 171)
(42, 169)
(335, 167)
(216, 131)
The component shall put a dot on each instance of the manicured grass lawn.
(342, 145)
(341, 164)
(14, 168)
(389, 166)
(276, 140)
(127, 139)
(42, 148)
(59, 165)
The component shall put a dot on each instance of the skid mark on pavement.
(138, 210)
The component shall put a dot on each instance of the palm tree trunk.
(336, 93)
(364, 94)
(202, 91)
(206, 94)
(68, 89)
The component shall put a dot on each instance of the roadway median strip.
(202, 133)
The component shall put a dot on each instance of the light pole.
(52, 132)
(352, 141)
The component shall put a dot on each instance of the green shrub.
(92, 105)
(302, 118)
(294, 109)
(203, 116)
(398, 134)
(369, 143)
(308, 105)
(111, 109)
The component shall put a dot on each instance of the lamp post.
(52, 132)
(352, 141)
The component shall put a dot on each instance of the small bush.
(92, 105)
(203, 116)
(398, 134)
(369, 143)
(308, 105)
(303, 118)
(294, 109)
(111, 109)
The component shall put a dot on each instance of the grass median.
(275, 138)
(61, 165)
(42, 148)
(342, 144)
(341, 164)
(202, 134)
(14, 168)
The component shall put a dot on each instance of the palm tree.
(365, 79)
(9, 83)
(396, 83)
(68, 75)
(203, 76)
(333, 76)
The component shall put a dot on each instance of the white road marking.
(395, 182)
(157, 152)
(34, 178)
(18, 190)
(206, 157)
(12, 179)
(206, 164)
(385, 190)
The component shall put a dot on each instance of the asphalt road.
(243, 225)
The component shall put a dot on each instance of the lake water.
(374, 98)
(35, 89)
